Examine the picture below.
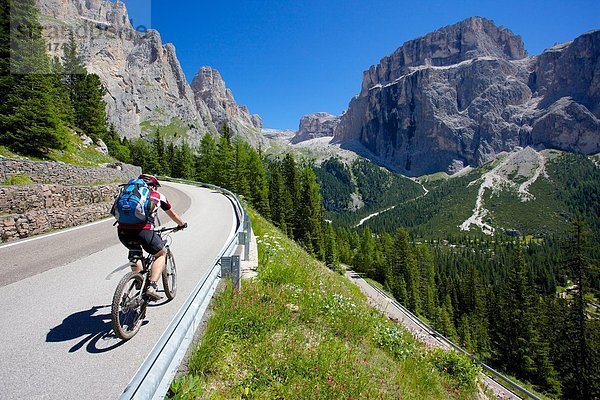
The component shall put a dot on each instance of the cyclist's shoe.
(152, 292)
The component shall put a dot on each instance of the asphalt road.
(56, 340)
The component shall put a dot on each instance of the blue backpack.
(133, 205)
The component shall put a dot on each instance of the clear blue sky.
(286, 58)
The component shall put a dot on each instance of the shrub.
(18, 180)
(462, 371)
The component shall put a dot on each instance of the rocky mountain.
(316, 125)
(146, 87)
(209, 88)
(459, 96)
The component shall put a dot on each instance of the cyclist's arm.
(175, 217)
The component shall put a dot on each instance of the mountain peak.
(467, 39)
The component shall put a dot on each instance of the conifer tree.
(90, 108)
(310, 214)
(206, 163)
(428, 292)
(224, 161)
(475, 307)
(331, 247)
(579, 359)
(365, 256)
(183, 162)
(291, 180)
(86, 92)
(158, 143)
(29, 119)
(404, 263)
(277, 194)
(519, 337)
(241, 172)
(259, 189)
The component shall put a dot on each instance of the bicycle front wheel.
(128, 306)
(169, 276)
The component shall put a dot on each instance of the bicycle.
(130, 300)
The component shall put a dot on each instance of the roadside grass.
(17, 180)
(76, 153)
(301, 331)
(73, 153)
(174, 130)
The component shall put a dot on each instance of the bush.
(462, 371)
(18, 180)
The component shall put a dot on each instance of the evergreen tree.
(365, 257)
(428, 292)
(90, 108)
(475, 307)
(331, 248)
(86, 92)
(224, 173)
(143, 154)
(159, 147)
(404, 264)
(206, 164)
(310, 212)
(183, 162)
(277, 197)
(259, 189)
(30, 122)
(119, 150)
(241, 172)
(289, 171)
(578, 357)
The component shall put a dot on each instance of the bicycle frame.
(139, 301)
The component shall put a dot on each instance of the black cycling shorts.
(138, 239)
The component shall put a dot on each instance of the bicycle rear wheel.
(128, 306)
(169, 276)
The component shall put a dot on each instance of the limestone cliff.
(209, 88)
(315, 125)
(464, 93)
(146, 86)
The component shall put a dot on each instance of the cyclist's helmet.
(149, 179)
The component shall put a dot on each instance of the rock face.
(315, 125)
(209, 88)
(146, 86)
(462, 94)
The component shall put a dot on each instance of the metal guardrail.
(496, 375)
(153, 378)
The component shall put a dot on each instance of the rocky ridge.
(461, 95)
(146, 86)
(315, 125)
(209, 88)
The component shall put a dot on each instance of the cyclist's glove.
(181, 227)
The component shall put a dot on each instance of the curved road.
(56, 340)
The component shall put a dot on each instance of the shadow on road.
(93, 326)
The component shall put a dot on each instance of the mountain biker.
(138, 236)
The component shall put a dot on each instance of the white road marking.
(53, 233)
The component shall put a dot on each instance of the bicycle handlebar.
(173, 229)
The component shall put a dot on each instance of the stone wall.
(66, 174)
(62, 203)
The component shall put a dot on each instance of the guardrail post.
(226, 266)
(236, 272)
(231, 267)
(248, 230)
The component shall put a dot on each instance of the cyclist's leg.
(131, 240)
(153, 244)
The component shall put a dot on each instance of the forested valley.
(526, 304)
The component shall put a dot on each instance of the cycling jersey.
(161, 201)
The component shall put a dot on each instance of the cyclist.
(136, 236)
